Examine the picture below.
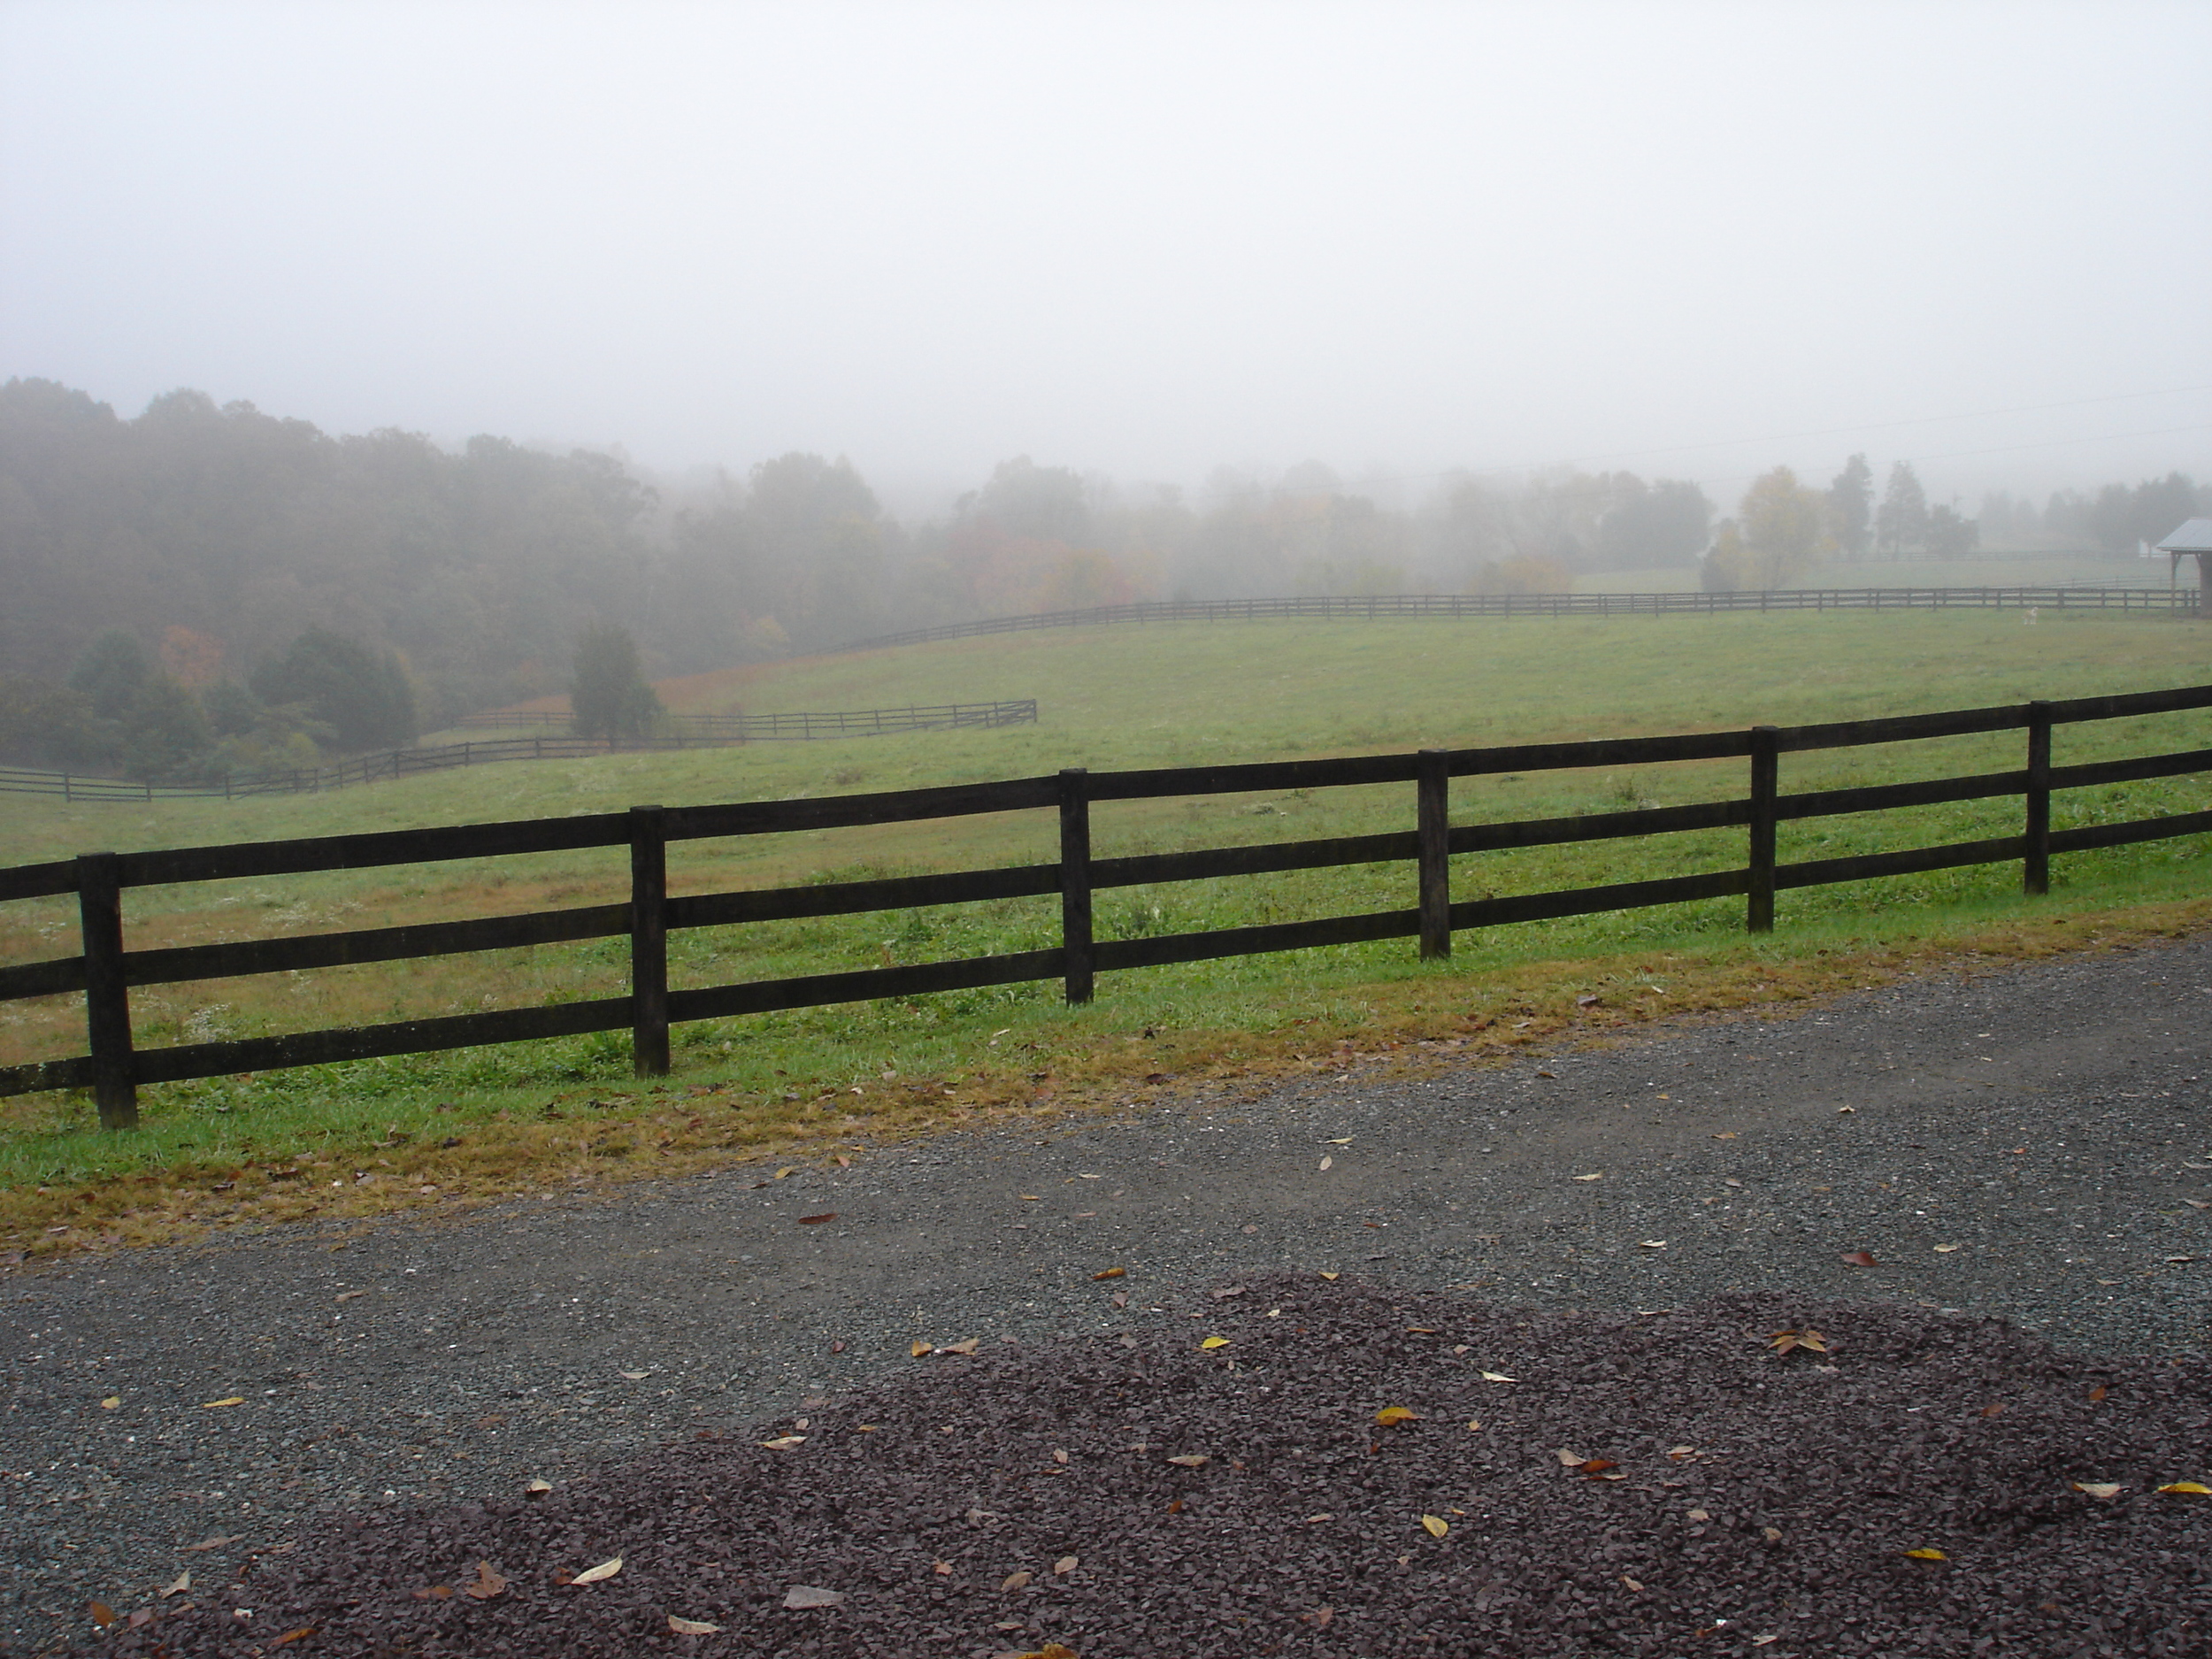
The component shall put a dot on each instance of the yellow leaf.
(1328, 1275)
(1030, 1198)
(691, 1626)
(1437, 1525)
(1214, 1341)
(922, 1348)
(1472, 1425)
(2187, 1489)
(780, 1173)
(111, 1402)
(2098, 1488)
(593, 1575)
(785, 1442)
(1111, 1272)
(216, 1405)
(1927, 1555)
(1391, 1416)
(1343, 1140)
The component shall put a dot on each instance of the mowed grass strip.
(520, 1116)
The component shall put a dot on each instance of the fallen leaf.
(1214, 1341)
(1343, 1140)
(1014, 1581)
(786, 1170)
(637, 1375)
(290, 1636)
(921, 1349)
(604, 1571)
(1994, 1410)
(1632, 1584)
(213, 1543)
(1598, 1175)
(1651, 1244)
(1586, 999)
(1473, 1425)
(2098, 1488)
(1600, 1467)
(1391, 1416)
(1328, 1275)
(692, 1626)
(1065, 1565)
(1436, 1525)
(1730, 1135)
(2187, 1489)
(1030, 1198)
(111, 1403)
(785, 1442)
(140, 1619)
(2097, 1393)
(182, 1583)
(1568, 1458)
(943, 1570)
(1111, 1272)
(1860, 1259)
(1318, 1618)
(1772, 1535)
(1326, 1163)
(101, 1614)
(216, 1405)
(1494, 1375)
(1762, 1642)
(1175, 1508)
(1120, 1299)
(1700, 1516)
(1189, 1460)
(537, 1488)
(349, 1295)
(812, 1595)
(441, 1592)
(488, 1585)
(816, 1221)
(1784, 1342)
(966, 1346)
(1927, 1555)
(1946, 1249)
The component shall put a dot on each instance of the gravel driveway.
(2030, 1142)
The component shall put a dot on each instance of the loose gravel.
(2030, 1144)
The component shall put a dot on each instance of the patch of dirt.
(1655, 1485)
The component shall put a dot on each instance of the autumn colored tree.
(1783, 526)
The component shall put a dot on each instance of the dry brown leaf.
(1772, 1535)
(1318, 1618)
(1111, 1272)
(1498, 1376)
(1946, 1249)
(1065, 1565)
(178, 1586)
(1860, 1259)
(692, 1626)
(2097, 1393)
(1632, 1584)
(604, 1571)
(1597, 1176)
(785, 1442)
(1700, 1516)
(291, 1636)
(1328, 1275)
(1996, 1410)
(1602, 1467)
(1568, 1458)
(100, 1613)
(443, 1591)
(1389, 1417)
(1680, 1452)
(488, 1584)
(816, 1221)
(967, 1346)
(2098, 1488)
(1189, 1460)
(812, 1595)
(1784, 1341)
(213, 1543)
(1326, 1163)
(536, 1488)
(943, 1570)
(1014, 1581)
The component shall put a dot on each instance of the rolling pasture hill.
(1110, 699)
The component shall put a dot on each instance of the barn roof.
(2192, 537)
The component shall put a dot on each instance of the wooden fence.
(708, 732)
(106, 970)
(2141, 601)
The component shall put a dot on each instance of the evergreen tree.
(609, 697)
(1851, 506)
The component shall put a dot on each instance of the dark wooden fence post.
(648, 942)
(1075, 883)
(1433, 782)
(2036, 865)
(107, 1006)
(1766, 770)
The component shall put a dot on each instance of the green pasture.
(1110, 698)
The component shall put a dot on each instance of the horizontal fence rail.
(704, 731)
(2055, 596)
(105, 969)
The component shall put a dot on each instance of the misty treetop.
(220, 539)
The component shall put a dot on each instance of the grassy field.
(1994, 570)
(427, 1128)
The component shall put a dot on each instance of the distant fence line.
(2160, 601)
(714, 731)
(104, 970)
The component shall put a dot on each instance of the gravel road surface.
(2030, 1143)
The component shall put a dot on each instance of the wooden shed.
(2195, 537)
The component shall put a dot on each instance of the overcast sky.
(1142, 239)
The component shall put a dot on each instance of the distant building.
(2195, 537)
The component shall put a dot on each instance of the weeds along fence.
(106, 970)
(2139, 601)
(692, 732)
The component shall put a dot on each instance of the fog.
(1691, 240)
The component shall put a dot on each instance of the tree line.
(211, 581)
